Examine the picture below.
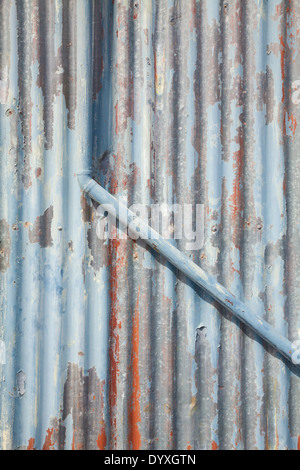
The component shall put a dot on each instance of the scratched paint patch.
(265, 95)
(55, 437)
(59, 64)
(86, 408)
(41, 231)
(21, 383)
(83, 400)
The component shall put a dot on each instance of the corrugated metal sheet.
(107, 345)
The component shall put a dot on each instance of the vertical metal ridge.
(181, 101)
(231, 24)
(250, 238)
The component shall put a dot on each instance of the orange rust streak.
(114, 350)
(293, 124)
(236, 196)
(282, 59)
(134, 410)
(101, 441)
(299, 443)
(48, 445)
(31, 443)
(193, 15)
(214, 446)
(76, 445)
(284, 185)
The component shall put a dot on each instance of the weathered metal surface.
(140, 229)
(107, 345)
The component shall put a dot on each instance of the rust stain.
(278, 12)
(193, 17)
(284, 184)
(136, 11)
(73, 441)
(38, 172)
(59, 433)
(41, 231)
(132, 179)
(277, 437)
(49, 445)
(75, 444)
(293, 124)
(31, 444)
(214, 446)
(146, 33)
(101, 441)
(299, 443)
(134, 405)
(235, 199)
(55, 436)
(282, 63)
(114, 347)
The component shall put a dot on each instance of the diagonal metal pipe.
(225, 298)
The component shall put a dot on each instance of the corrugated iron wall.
(186, 101)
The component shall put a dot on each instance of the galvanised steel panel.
(167, 101)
